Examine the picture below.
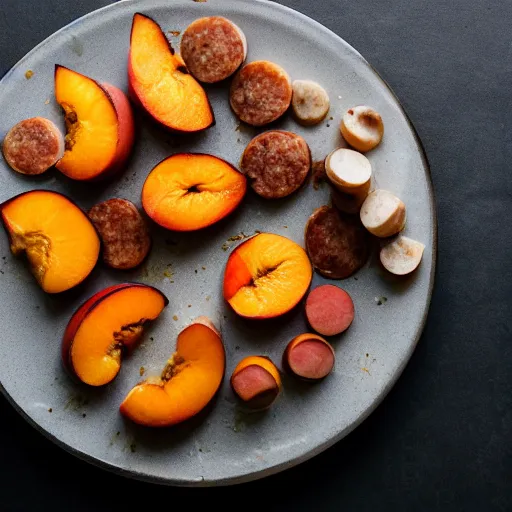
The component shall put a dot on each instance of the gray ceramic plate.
(222, 445)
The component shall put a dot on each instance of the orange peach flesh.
(186, 192)
(91, 124)
(266, 276)
(60, 242)
(114, 323)
(188, 382)
(161, 83)
(256, 381)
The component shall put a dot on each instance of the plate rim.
(288, 464)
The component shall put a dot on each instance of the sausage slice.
(276, 162)
(261, 93)
(125, 237)
(33, 146)
(213, 48)
(337, 244)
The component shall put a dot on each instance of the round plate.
(222, 445)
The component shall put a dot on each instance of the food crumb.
(257, 231)
(285, 227)
(331, 118)
(237, 347)
(381, 300)
(190, 305)
(29, 74)
(195, 270)
(133, 447)
(201, 450)
(366, 370)
(174, 33)
(141, 371)
(152, 339)
(328, 125)
(175, 318)
(47, 102)
(319, 174)
(2, 272)
(204, 268)
(208, 298)
(118, 433)
(50, 410)
(367, 355)
(84, 415)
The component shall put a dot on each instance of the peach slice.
(111, 321)
(266, 276)
(188, 381)
(161, 83)
(58, 239)
(99, 124)
(256, 381)
(310, 357)
(186, 192)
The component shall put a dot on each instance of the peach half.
(104, 326)
(188, 381)
(186, 192)
(160, 82)
(99, 125)
(58, 239)
(266, 276)
(256, 381)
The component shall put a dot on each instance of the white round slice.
(349, 171)
(362, 127)
(310, 102)
(383, 214)
(402, 256)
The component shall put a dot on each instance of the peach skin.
(160, 82)
(104, 326)
(58, 239)
(266, 276)
(99, 125)
(256, 381)
(188, 381)
(187, 191)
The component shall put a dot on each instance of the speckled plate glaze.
(221, 445)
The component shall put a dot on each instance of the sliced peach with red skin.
(256, 381)
(160, 82)
(266, 276)
(99, 124)
(309, 357)
(107, 324)
(58, 239)
(188, 382)
(187, 191)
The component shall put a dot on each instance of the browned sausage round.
(337, 244)
(261, 93)
(33, 146)
(213, 48)
(276, 163)
(125, 237)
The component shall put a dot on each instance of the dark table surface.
(442, 439)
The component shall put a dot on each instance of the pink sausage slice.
(255, 386)
(311, 360)
(329, 310)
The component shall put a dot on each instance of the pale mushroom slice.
(383, 214)
(362, 127)
(310, 102)
(349, 171)
(402, 256)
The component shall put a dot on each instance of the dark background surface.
(442, 439)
